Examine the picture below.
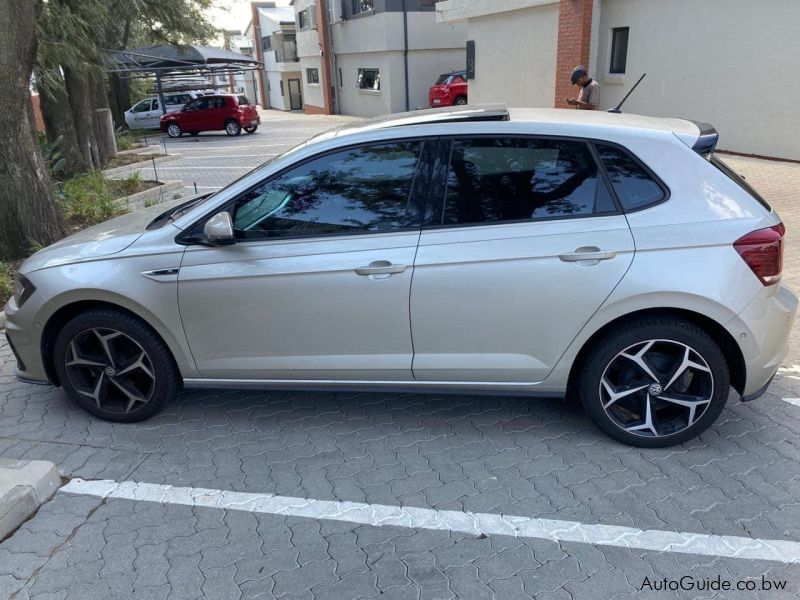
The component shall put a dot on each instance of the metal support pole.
(160, 91)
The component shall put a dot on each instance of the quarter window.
(495, 180)
(619, 50)
(634, 187)
(354, 191)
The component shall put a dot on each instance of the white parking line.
(446, 520)
(795, 401)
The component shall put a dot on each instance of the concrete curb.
(151, 149)
(2, 320)
(140, 165)
(24, 486)
(156, 194)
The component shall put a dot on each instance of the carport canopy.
(169, 62)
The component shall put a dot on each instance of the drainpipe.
(405, 52)
(332, 56)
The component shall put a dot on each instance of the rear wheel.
(460, 101)
(232, 128)
(174, 130)
(251, 129)
(114, 366)
(655, 382)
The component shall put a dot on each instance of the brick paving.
(446, 452)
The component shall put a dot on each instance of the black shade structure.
(172, 64)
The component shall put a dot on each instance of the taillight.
(762, 250)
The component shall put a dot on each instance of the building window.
(281, 87)
(369, 79)
(428, 3)
(359, 6)
(340, 77)
(266, 43)
(312, 76)
(304, 19)
(619, 50)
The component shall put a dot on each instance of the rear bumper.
(762, 332)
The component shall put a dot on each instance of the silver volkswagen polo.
(609, 257)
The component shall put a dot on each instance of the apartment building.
(727, 62)
(272, 33)
(373, 57)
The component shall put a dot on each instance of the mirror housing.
(219, 230)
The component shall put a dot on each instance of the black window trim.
(190, 235)
(445, 147)
(665, 191)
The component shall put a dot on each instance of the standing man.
(589, 94)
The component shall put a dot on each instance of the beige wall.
(308, 51)
(732, 63)
(515, 56)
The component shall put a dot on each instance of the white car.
(146, 114)
(608, 257)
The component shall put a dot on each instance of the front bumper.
(24, 337)
(762, 332)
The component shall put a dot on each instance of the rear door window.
(496, 180)
(634, 186)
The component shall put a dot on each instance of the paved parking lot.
(339, 495)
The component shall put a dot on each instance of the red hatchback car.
(212, 113)
(450, 89)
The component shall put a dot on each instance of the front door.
(522, 245)
(295, 95)
(317, 285)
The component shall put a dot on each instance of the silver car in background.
(608, 257)
(147, 113)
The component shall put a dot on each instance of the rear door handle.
(380, 267)
(587, 253)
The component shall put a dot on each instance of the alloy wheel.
(111, 369)
(174, 130)
(232, 128)
(656, 388)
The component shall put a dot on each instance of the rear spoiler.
(707, 141)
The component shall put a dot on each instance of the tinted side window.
(243, 101)
(143, 106)
(633, 186)
(353, 191)
(200, 104)
(506, 179)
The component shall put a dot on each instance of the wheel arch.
(721, 336)
(70, 310)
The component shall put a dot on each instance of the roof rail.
(445, 114)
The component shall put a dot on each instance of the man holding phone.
(589, 94)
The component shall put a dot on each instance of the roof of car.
(686, 130)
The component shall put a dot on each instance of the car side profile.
(228, 112)
(147, 113)
(612, 258)
(450, 89)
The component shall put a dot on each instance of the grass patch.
(6, 280)
(128, 139)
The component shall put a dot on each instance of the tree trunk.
(120, 98)
(80, 102)
(28, 213)
(58, 122)
(103, 128)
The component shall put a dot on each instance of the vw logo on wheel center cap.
(111, 372)
(655, 389)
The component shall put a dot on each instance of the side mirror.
(219, 230)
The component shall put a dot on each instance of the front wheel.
(460, 101)
(115, 366)
(655, 382)
(174, 130)
(251, 129)
(233, 128)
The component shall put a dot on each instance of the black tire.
(174, 130)
(232, 127)
(251, 129)
(161, 368)
(633, 338)
(194, 133)
(460, 101)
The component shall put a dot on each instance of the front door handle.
(380, 267)
(587, 253)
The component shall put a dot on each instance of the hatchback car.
(449, 90)
(147, 113)
(609, 257)
(228, 112)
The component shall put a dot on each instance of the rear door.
(522, 243)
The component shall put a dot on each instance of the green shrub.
(88, 199)
(6, 281)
